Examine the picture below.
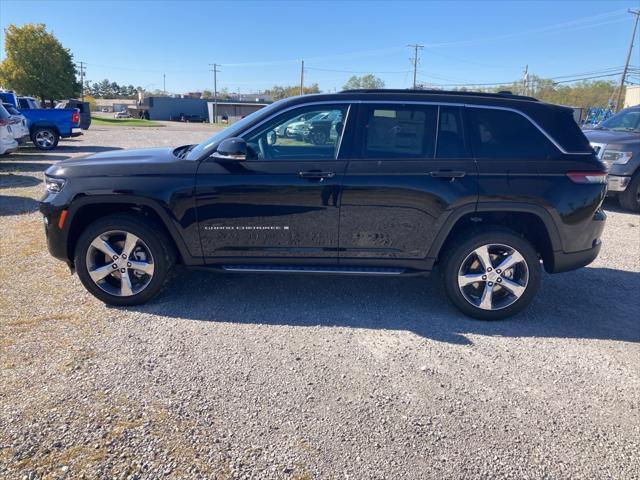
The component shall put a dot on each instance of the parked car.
(318, 129)
(83, 107)
(487, 187)
(8, 144)
(617, 143)
(19, 126)
(46, 125)
(122, 114)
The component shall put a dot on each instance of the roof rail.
(501, 94)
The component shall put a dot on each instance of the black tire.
(38, 138)
(153, 235)
(460, 249)
(630, 198)
(318, 137)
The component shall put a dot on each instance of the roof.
(502, 94)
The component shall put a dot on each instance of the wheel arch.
(87, 209)
(37, 125)
(531, 221)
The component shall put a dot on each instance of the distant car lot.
(307, 377)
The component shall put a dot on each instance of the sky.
(261, 44)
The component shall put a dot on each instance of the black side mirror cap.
(233, 148)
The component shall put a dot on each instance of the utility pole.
(164, 83)
(302, 78)
(525, 79)
(215, 91)
(82, 81)
(415, 59)
(626, 65)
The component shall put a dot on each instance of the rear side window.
(399, 131)
(505, 134)
(450, 134)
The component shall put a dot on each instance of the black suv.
(487, 187)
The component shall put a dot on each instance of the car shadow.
(25, 166)
(591, 303)
(10, 180)
(612, 205)
(14, 205)
(85, 148)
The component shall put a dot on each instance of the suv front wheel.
(492, 275)
(123, 259)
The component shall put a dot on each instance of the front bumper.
(617, 183)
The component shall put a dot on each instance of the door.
(411, 167)
(282, 202)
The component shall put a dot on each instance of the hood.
(612, 136)
(148, 161)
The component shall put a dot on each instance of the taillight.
(75, 117)
(588, 177)
(4, 121)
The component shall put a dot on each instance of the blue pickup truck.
(46, 125)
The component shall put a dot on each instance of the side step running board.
(319, 269)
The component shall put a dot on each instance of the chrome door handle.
(447, 174)
(316, 175)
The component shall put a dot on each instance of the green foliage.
(37, 64)
(107, 89)
(583, 94)
(365, 81)
(279, 92)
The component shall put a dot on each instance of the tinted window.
(504, 134)
(306, 133)
(450, 134)
(399, 131)
(3, 113)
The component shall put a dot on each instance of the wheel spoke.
(142, 267)
(510, 261)
(486, 301)
(99, 273)
(125, 285)
(104, 247)
(129, 244)
(483, 255)
(515, 288)
(464, 280)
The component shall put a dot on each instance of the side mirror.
(233, 148)
(272, 137)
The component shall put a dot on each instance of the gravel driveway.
(300, 377)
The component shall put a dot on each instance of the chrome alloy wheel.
(44, 138)
(493, 276)
(120, 263)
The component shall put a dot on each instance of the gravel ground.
(247, 376)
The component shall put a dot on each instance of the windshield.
(232, 130)
(11, 109)
(625, 120)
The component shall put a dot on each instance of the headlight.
(616, 156)
(54, 185)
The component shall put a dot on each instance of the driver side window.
(306, 133)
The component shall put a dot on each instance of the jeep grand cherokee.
(488, 188)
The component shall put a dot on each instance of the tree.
(279, 92)
(365, 81)
(37, 64)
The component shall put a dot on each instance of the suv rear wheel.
(630, 198)
(123, 259)
(491, 275)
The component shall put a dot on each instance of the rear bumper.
(564, 261)
(76, 132)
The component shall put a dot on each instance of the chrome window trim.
(533, 122)
(344, 129)
(416, 102)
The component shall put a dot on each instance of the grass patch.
(124, 122)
